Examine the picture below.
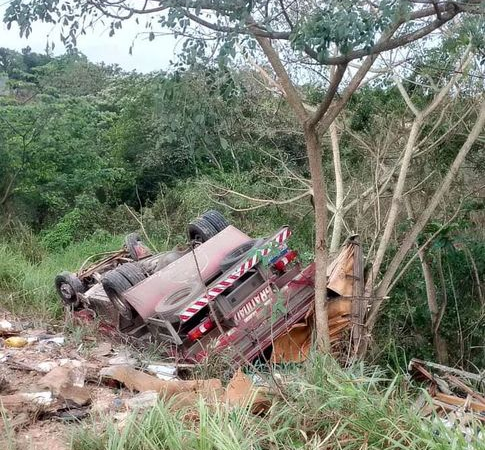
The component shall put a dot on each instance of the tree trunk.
(436, 312)
(8, 189)
(395, 206)
(314, 155)
(338, 219)
(440, 345)
(320, 200)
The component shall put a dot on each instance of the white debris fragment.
(142, 400)
(39, 398)
(59, 340)
(73, 363)
(163, 372)
(46, 366)
(5, 325)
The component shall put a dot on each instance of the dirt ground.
(26, 425)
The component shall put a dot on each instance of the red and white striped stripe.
(220, 287)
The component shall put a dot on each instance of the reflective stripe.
(220, 287)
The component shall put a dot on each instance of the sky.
(98, 46)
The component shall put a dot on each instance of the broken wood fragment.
(136, 380)
(461, 402)
(461, 373)
(67, 384)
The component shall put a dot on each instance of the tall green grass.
(27, 277)
(318, 406)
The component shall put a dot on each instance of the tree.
(331, 35)
(53, 150)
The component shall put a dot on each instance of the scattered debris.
(451, 390)
(142, 400)
(103, 349)
(164, 372)
(16, 342)
(123, 358)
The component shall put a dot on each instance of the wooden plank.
(457, 401)
(461, 373)
(467, 389)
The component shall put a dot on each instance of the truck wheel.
(135, 247)
(200, 230)
(132, 272)
(217, 220)
(115, 284)
(170, 307)
(239, 253)
(68, 285)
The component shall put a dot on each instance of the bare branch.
(290, 91)
(329, 96)
(406, 98)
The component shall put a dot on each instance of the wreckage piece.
(35, 399)
(67, 384)
(136, 380)
(463, 387)
(465, 403)
(422, 370)
(448, 392)
(242, 392)
(294, 345)
(480, 378)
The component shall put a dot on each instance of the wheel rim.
(121, 307)
(177, 298)
(67, 292)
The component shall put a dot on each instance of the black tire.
(68, 285)
(132, 272)
(174, 304)
(115, 284)
(132, 242)
(217, 220)
(200, 230)
(239, 253)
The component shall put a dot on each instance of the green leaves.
(345, 24)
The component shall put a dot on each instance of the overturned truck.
(224, 293)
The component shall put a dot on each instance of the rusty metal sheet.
(340, 272)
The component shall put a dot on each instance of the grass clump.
(318, 406)
(27, 284)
